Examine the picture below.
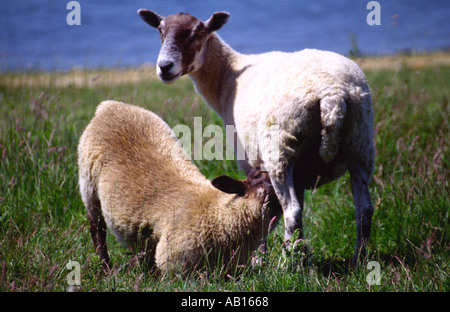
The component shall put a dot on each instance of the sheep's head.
(257, 184)
(183, 39)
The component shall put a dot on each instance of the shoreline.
(85, 77)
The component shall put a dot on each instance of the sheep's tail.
(332, 112)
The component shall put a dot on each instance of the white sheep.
(318, 103)
(135, 179)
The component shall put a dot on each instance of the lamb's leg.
(97, 223)
(98, 233)
(363, 207)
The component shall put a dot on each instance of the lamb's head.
(183, 40)
(257, 186)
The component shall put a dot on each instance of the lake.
(34, 35)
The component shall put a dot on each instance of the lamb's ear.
(229, 185)
(150, 17)
(216, 21)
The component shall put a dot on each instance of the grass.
(43, 222)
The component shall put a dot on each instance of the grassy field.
(43, 222)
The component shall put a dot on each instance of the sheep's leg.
(300, 193)
(98, 233)
(292, 208)
(363, 207)
(97, 223)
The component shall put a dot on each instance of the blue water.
(35, 35)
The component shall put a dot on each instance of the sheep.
(318, 103)
(136, 179)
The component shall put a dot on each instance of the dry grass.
(80, 78)
(412, 61)
(115, 77)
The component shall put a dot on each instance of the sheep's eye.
(161, 33)
(200, 33)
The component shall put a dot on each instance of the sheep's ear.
(216, 21)
(229, 185)
(150, 17)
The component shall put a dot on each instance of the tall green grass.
(43, 222)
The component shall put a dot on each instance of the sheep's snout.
(168, 69)
(257, 183)
(165, 66)
(256, 178)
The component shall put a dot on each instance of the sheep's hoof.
(296, 254)
(258, 261)
(106, 266)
